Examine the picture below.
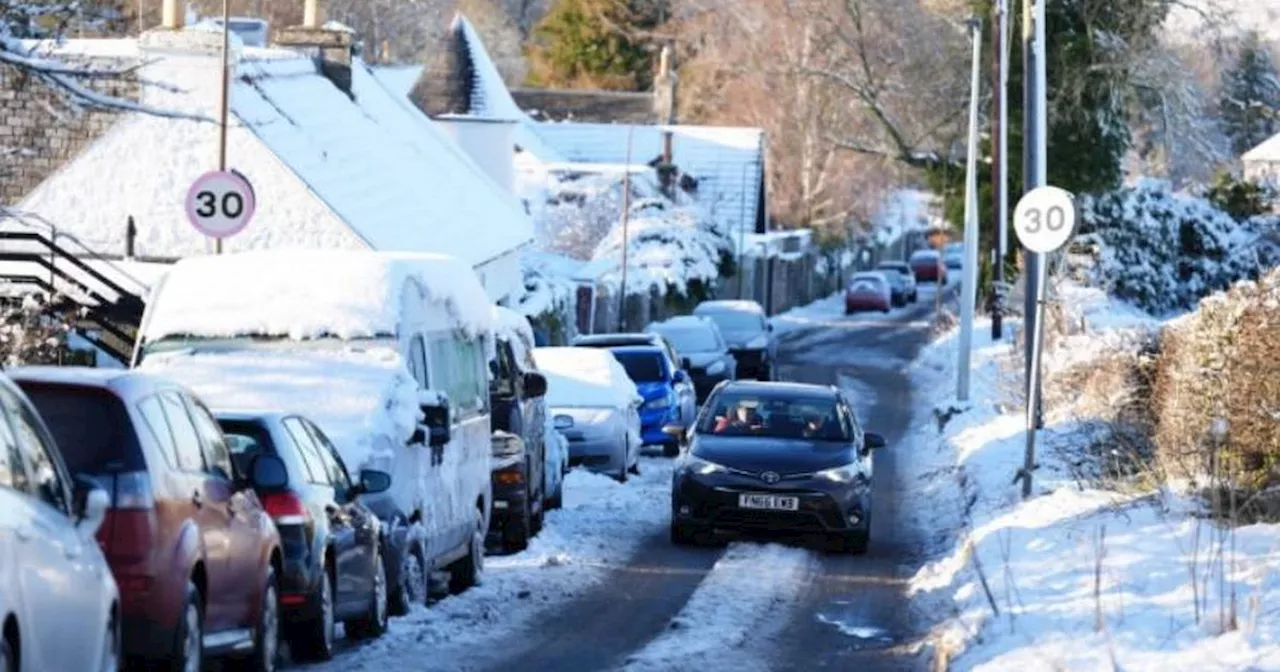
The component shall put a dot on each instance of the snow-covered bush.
(1217, 388)
(580, 210)
(1160, 249)
(549, 295)
(34, 330)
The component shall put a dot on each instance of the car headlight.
(758, 342)
(846, 474)
(716, 368)
(702, 467)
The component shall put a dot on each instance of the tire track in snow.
(747, 598)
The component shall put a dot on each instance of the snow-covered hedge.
(1164, 250)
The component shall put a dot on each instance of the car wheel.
(411, 582)
(188, 646)
(557, 500)
(312, 639)
(536, 520)
(374, 622)
(111, 646)
(469, 571)
(266, 636)
(8, 661)
(683, 535)
(515, 535)
(671, 449)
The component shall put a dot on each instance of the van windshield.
(90, 426)
(180, 342)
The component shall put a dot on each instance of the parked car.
(196, 557)
(928, 267)
(557, 464)
(777, 458)
(517, 398)
(903, 281)
(386, 352)
(953, 256)
(331, 566)
(749, 334)
(868, 290)
(58, 600)
(656, 378)
(705, 354)
(595, 405)
(686, 391)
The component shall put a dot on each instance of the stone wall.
(40, 130)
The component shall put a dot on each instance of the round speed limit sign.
(220, 203)
(1044, 219)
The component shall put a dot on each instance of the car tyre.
(411, 581)
(684, 535)
(112, 649)
(671, 449)
(469, 571)
(537, 520)
(312, 639)
(266, 634)
(635, 468)
(8, 661)
(557, 500)
(374, 622)
(516, 533)
(188, 645)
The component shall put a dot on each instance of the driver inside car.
(742, 418)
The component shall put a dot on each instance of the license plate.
(769, 502)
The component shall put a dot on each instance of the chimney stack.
(332, 46)
(664, 98)
(170, 16)
(311, 14)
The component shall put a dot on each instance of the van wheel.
(188, 645)
(312, 640)
(411, 582)
(557, 500)
(266, 636)
(374, 622)
(469, 571)
(8, 661)
(538, 518)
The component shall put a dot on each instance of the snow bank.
(308, 294)
(365, 401)
(587, 377)
(1077, 577)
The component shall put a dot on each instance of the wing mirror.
(535, 384)
(437, 419)
(680, 377)
(91, 504)
(676, 431)
(873, 441)
(373, 481)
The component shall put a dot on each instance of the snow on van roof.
(373, 409)
(308, 294)
(584, 377)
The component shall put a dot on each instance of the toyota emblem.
(770, 477)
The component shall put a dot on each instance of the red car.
(195, 556)
(928, 267)
(868, 291)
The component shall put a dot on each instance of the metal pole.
(626, 216)
(1000, 174)
(969, 286)
(225, 102)
(1042, 178)
(1035, 142)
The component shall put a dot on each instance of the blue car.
(656, 378)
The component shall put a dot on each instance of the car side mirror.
(373, 481)
(437, 418)
(91, 504)
(873, 441)
(680, 377)
(267, 473)
(535, 384)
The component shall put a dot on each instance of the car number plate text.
(769, 502)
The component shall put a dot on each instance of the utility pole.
(626, 216)
(1035, 166)
(969, 282)
(1000, 169)
(225, 100)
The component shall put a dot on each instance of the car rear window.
(90, 425)
(642, 367)
(246, 439)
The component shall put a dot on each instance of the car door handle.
(23, 534)
(197, 500)
(71, 552)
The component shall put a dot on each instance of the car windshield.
(642, 367)
(693, 339)
(90, 426)
(736, 321)
(774, 416)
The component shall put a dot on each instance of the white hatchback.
(58, 600)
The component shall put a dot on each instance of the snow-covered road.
(602, 588)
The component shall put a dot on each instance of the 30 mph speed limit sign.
(220, 203)
(1044, 219)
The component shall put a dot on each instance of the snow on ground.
(734, 606)
(1082, 578)
(601, 525)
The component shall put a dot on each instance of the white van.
(386, 352)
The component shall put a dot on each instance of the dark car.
(656, 378)
(332, 568)
(517, 394)
(511, 525)
(197, 559)
(747, 331)
(780, 458)
(705, 354)
(904, 281)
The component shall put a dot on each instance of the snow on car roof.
(685, 322)
(586, 377)
(734, 305)
(376, 398)
(924, 254)
(308, 293)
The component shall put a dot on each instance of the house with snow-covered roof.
(1262, 163)
(337, 160)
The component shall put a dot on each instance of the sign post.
(1044, 220)
(220, 203)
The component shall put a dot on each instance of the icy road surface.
(602, 588)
